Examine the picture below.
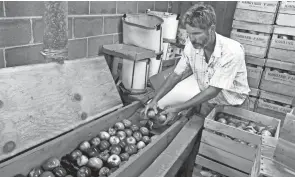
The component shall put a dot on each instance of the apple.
(114, 160)
(127, 123)
(84, 146)
(60, 172)
(103, 135)
(112, 131)
(114, 140)
(35, 172)
(151, 114)
(128, 132)
(134, 128)
(131, 140)
(95, 163)
(115, 149)
(119, 126)
(92, 152)
(250, 130)
(222, 120)
(50, 164)
(266, 133)
(124, 156)
(146, 139)
(104, 144)
(137, 135)
(140, 145)
(47, 174)
(131, 149)
(104, 171)
(95, 141)
(161, 118)
(231, 124)
(75, 154)
(121, 134)
(144, 131)
(84, 172)
(122, 143)
(104, 155)
(82, 160)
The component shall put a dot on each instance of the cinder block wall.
(91, 24)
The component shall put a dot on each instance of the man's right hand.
(152, 105)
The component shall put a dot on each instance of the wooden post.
(55, 37)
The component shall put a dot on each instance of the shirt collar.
(217, 48)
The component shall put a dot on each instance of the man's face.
(198, 37)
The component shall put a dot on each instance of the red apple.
(84, 172)
(115, 149)
(124, 156)
(84, 146)
(104, 171)
(137, 135)
(75, 154)
(114, 160)
(231, 124)
(265, 133)
(140, 145)
(50, 164)
(121, 134)
(222, 120)
(134, 128)
(161, 118)
(95, 163)
(144, 131)
(119, 126)
(128, 132)
(151, 114)
(92, 152)
(131, 140)
(131, 149)
(112, 131)
(104, 155)
(127, 123)
(104, 135)
(35, 172)
(60, 172)
(82, 160)
(47, 174)
(95, 141)
(104, 144)
(114, 140)
(123, 143)
(146, 139)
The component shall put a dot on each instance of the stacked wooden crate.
(278, 78)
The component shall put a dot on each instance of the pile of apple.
(101, 155)
(205, 172)
(275, 70)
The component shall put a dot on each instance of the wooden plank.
(279, 43)
(270, 110)
(228, 145)
(264, 28)
(58, 99)
(255, 60)
(285, 19)
(271, 168)
(284, 30)
(288, 132)
(225, 158)
(255, 51)
(281, 54)
(219, 167)
(276, 87)
(264, 6)
(142, 160)
(64, 144)
(250, 39)
(284, 153)
(280, 65)
(276, 97)
(169, 162)
(254, 75)
(254, 16)
(287, 7)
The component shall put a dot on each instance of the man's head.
(199, 21)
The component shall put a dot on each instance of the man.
(216, 62)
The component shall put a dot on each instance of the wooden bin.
(278, 77)
(256, 11)
(274, 105)
(286, 14)
(265, 165)
(254, 70)
(282, 46)
(234, 158)
(60, 120)
(255, 37)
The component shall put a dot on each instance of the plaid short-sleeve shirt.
(226, 69)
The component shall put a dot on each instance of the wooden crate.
(265, 165)
(226, 150)
(263, 6)
(286, 14)
(282, 49)
(277, 81)
(274, 105)
(254, 70)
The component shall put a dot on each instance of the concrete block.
(78, 7)
(38, 30)
(102, 7)
(24, 8)
(118, 38)
(126, 7)
(2, 63)
(87, 26)
(112, 24)
(161, 6)
(95, 44)
(70, 28)
(77, 48)
(144, 5)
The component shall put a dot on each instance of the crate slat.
(254, 16)
(250, 39)
(285, 19)
(281, 54)
(265, 6)
(255, 51)
(264, 28)
(279, 43)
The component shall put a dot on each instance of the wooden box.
(227, 151)
(254, 70)
(253, 96)
(265, 165)
(274, 105)
(278, 77)
(286, 14)
(282, 45)
(252, 36)
(256, 11)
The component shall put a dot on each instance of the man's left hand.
(171, 114)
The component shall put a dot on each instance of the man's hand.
(152, 105)
(171, 114)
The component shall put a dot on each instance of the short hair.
(200, 15)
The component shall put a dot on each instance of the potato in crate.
(231, 137)
(256, 11)
(286, 14)
(254, 37)
(278, 77)
(274, 105)
(282, 46)
(254, 70)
